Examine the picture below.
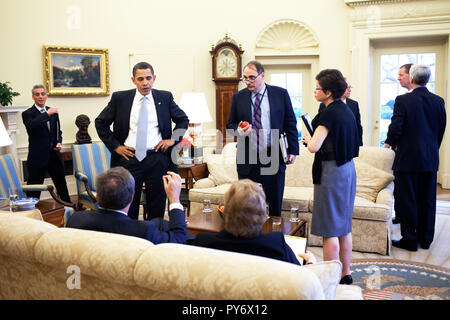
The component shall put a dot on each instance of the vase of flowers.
(183, 150)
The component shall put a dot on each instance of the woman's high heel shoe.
(346, 280)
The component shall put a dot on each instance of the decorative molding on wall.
(374, 14)
(287, 37)
(354, 3)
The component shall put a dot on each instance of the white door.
(296, 80)
(387, 61)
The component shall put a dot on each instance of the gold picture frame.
(73, 71)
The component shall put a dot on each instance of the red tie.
(257, 126)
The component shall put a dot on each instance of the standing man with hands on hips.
(141, 139)
(269, 113)
(44, 144)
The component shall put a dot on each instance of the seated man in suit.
(244, 216)
(115, 190)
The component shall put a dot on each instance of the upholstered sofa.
(40, 261)
(371, 224)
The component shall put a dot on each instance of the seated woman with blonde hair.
(244, 215)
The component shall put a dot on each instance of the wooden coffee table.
(213, 222)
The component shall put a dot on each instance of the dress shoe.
(346, 280)
(395, 220)
(425, 246)
(404, 245)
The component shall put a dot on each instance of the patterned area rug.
(400, 280)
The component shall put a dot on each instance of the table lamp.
(5, 140)
(195, 106)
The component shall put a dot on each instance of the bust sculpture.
(82, 136)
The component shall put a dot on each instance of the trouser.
(416, 195)
(55, 168)
(149, 172)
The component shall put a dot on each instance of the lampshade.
(5, 140)
(195, 107)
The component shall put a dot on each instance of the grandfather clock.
(227, 71)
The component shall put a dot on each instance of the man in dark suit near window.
(44, 144)
(143, 147)
(354, 106)
(269, 113)
(416, 131)
(115, 189)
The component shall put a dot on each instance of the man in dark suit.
(269, 113)
(416, 131)
(244, 216)
(354, 106)
(44, 144)
(143, 147)
(115, 188)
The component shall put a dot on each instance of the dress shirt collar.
(263, 88)
(119, 211)
(140, 96)
(39, 108)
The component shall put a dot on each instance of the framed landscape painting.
(70, 71)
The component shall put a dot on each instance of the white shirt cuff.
(176, 205)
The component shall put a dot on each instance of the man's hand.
(164, 145)
(291, 158)
(57, 147)
(125, 151)
(387, 145)
(52, 110)
(308, 256)
(244, 128)
(172, 185)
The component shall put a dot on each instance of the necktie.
(48, 123)
(256, 124)
(141, 134)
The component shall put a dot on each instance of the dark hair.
(332, 80)
(257, 65)
(141, 66)
(115, 188)
(406, 67)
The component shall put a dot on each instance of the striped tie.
(258, 141)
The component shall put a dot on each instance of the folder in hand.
(307, 121)
(284, 146)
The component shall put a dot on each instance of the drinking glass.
(207, 206)
(294, 216)
(13, 196)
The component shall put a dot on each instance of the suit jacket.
(41, 141)
(282, 117)
(354, 106)
(118, 111)
(416, 131)
(156, 230)
(271, 245)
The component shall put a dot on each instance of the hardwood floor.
(439, 252)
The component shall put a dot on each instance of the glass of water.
(13, 196)
(207, 206)
(294, 215)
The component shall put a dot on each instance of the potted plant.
(6, 94)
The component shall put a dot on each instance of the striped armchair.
(10, 180)
(89, 160)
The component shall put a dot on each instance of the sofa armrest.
(329, 274)
(204, 183)
(348, 292)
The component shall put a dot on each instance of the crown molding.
(354, 3)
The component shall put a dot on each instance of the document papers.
(284, 146)
(297, 244)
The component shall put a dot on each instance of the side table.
(190, 172)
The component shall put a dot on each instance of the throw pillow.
(222, 170)
(370, 180)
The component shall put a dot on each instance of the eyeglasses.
(318, 89)
(251, 78)
(42, 94)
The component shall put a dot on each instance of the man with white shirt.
(115, 189)
(143, 147)
(44, 144)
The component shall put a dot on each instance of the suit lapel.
(248, 103)
(159, 108)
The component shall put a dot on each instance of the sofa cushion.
(370, 180)
(381, 158)
(222, 170)
(20, 235)
(203, 273)
(299, 174)
(329, 274)
(215, 194)
(108, 256)
(297, 197)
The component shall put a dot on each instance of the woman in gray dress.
(335, 144)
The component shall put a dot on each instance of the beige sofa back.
(40, 261)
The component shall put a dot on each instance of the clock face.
(226, 64)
